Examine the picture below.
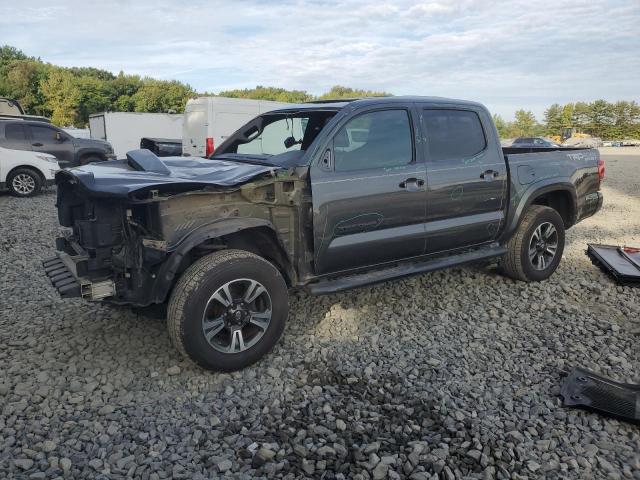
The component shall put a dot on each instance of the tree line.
(69, 95)
(610, 121)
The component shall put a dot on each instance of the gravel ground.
(449, 375)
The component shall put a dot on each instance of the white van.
(208, 121)
(124, 130)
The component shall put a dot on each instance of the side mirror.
(59, 137)
(289, 142)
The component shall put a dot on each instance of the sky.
(505, 54)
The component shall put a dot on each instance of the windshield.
(278, 138)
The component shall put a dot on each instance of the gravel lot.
(447, 375)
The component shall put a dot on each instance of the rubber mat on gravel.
(585, 389)
(622, 263)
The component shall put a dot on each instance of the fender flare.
(86, 151)
(167, 272)
(530, 194)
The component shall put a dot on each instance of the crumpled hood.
(119, 177)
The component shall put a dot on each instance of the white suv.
(24, 173)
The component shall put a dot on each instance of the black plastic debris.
(585, 389)
(622, 263)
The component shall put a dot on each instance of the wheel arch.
(252, 234)
(84, 154)
(34, 169)
(559, 195)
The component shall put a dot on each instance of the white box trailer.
(125, 129)
(208, 121)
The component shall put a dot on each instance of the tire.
(24, 182)
(205, 329)
(540, 229)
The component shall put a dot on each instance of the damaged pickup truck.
(323, 196)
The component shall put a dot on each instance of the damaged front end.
(111, 251)
(134, 226)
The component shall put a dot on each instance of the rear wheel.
(24, 182)
(534, 252)
(228, 310)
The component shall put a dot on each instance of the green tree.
(161, 96)
(601, 118)
(96, 73)
(567, 115)
(502, 126)
(9, 54)
(268, 93)
(94, 96)
(553, 120)
(21, 81)
(580, 115)
(625, 120)
(123, 88)
(338, 92)
(62, 97)
(525, 124)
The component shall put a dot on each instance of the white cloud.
(506, 54)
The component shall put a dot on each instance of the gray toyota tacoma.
(322, 196)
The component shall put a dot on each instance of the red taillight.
(210, 146)
(601, 169)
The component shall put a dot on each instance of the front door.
(53, 141)
(467, 178)
(369, 192)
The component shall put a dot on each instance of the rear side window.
(453, 134)
(43, 134)
(379, 139)
(14, 132)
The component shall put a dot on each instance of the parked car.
(24, 173)
(223, 239)
(208, 121)
(45, 138)
(534, 142)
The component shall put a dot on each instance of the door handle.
(489, 175)
(412, 183)
(36, 144)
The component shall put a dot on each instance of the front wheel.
(24, 182)
(228, 310)
(534, 252)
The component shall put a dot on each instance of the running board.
(404, 270)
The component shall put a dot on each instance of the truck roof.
(340, 104)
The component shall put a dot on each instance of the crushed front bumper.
(62, 271)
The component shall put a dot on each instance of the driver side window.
(44, 135)
(379, 139)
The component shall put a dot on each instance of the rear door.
(45, 139)
(369, 191)
(194, 130)
(15, 137)
(466, 176)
